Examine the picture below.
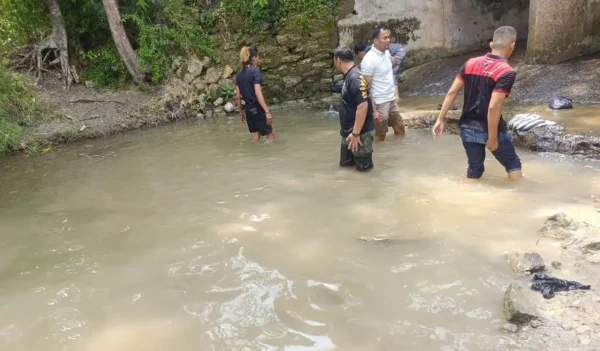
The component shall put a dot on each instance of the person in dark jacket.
(248, 86)
(357, 128)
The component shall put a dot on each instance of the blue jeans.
(474, 142)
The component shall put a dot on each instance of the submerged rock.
(519, 308)
(526, 263)
(510, 328)
(558, 226)
(556, 264)
(547, 136)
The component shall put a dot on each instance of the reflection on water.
(188, 237)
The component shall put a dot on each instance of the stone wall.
(434, 28)
(561, 30)
(297, 63)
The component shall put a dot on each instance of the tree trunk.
(128, 56)
(57, 41)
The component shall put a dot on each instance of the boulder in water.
(559, 226)
(560, 103)
(526, 263)
(519, 307)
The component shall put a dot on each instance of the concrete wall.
(434, 28)
(561, 30)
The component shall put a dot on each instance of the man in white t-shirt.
(377, 68)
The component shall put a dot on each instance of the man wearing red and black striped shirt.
(487, 81)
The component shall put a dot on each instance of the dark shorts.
(257, 120)
(361, 159)
(474, 142)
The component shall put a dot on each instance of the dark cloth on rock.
(549, 286)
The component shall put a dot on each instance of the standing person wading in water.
(378, 70)
(356, 114)
(248, 86)
(488, 81)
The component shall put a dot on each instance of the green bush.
(174, 29)
(228, 92)
(17, 99)
(276, 12)
(18, 108)
(104, 67)
(22, 22)
(10, 136)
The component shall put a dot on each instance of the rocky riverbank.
(536, 84)
(571, 319)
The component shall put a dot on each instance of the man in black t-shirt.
(488, 81)
(356, 114)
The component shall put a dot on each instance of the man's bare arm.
(361, 116)
(260, 97)
(494, 113)
(369, 80)
(455, 89)
(238, 99)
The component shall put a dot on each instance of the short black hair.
(377, 32)
(360, 48)
(344, 53)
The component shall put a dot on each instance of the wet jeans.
(474, 142)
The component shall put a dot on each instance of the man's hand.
(394, 62)
(438, 129)
(377, 117)
(492, 144)
(353, 142)
(269, 118)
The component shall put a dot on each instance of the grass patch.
(19, 109)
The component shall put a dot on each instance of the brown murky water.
(582, 119)
(187, 237)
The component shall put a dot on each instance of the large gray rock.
(218, 102)
(227, 72)
(525, 263)
(228, 107)
(199, 84)
(291, 81)
(194, 70)
(214, 91)
(519, 308)
(213, 75)
(546, 136)
(559, 226)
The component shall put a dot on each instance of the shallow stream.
(188, 237)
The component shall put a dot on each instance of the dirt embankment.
(537, 84)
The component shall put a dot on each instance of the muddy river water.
(188, 237)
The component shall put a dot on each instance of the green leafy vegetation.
(228, 92)
(22, 22)
(258, 13)
(105, 67)
(18, 108)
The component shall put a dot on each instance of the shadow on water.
(189, 237)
